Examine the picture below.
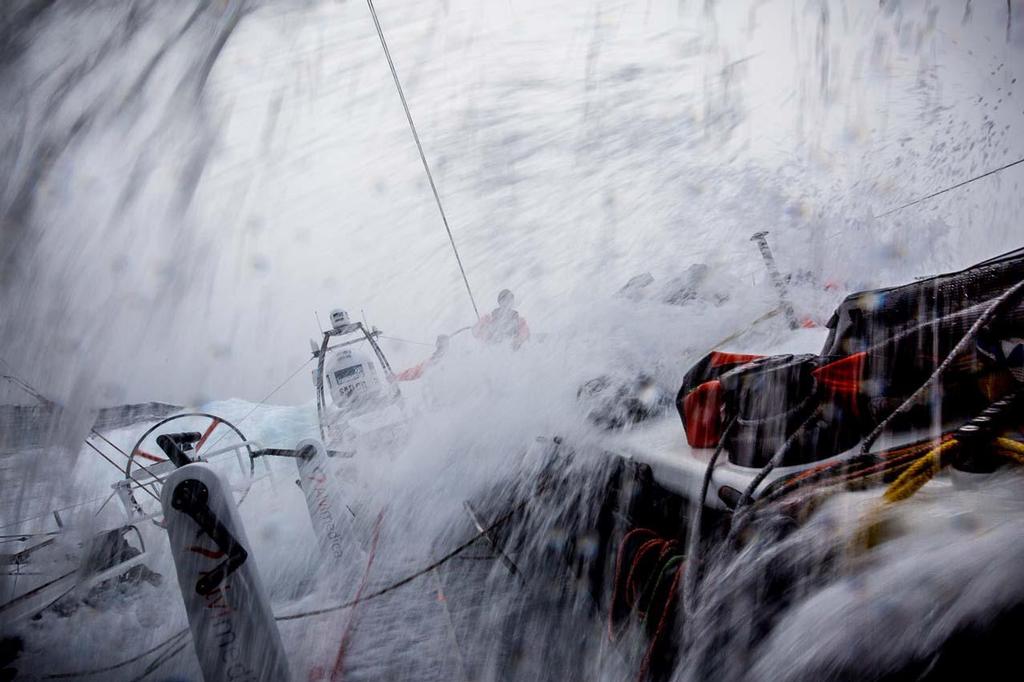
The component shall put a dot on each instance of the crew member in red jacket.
(503, 323)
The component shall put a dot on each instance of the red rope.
(154, 458)
(339, 662)
(637, 558)
(206, 434)
(617, 581)
(882, 467)
(665, 549)
(890, 459)
(662, 622)
(629, 587)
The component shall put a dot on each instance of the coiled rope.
(637, 590)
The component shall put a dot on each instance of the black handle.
(175, 445)
(191, 497)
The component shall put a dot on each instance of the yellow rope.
(919, 473)
(872, 528)
(1011, 445)
(1019, 459)
(924, 469)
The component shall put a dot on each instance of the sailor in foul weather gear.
(503, 323)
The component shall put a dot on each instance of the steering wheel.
(146, 468)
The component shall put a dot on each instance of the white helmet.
(339, 319)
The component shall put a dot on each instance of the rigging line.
(46, 514)
(160, 660)
(5, 364)
(409, 578)
(693, 541)
(949, 189)
(38, 590)
(262, 401)
(415, 343)
(21, 537)
(127, 456)
(271, 394)
(120, 664)
(107, 441)
(1017, 290)
(423, 156)
(46, 401)
(24, 386)
(114, 464)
